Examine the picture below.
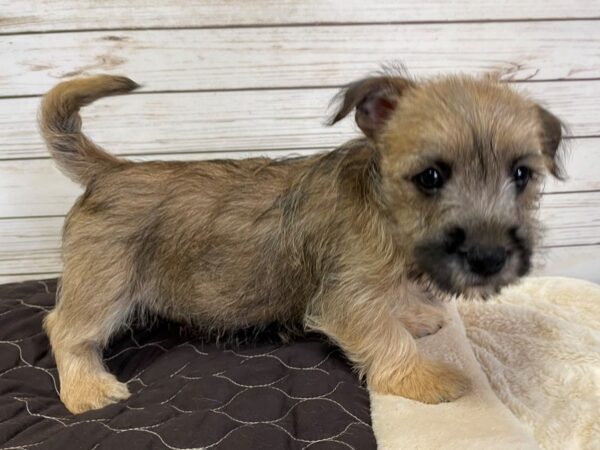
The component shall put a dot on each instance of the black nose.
(486, 261)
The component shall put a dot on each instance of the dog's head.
(461, 162)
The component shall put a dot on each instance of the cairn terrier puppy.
(439, 196)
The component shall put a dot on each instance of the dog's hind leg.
(87, 314)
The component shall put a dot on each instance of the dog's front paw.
(428, 382)
(93, 392)
(439, 382)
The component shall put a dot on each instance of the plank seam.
(292, 88)
(55, 216)
(258, 152)
(307, 25)
(20, 274)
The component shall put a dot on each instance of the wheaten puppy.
(439, 196)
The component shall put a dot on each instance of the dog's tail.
(78, 157)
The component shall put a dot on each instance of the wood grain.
(236, 78)
(37, 188)
(46, 15)
(241, 121)
(245, 58)
(187, 122)
(31, 245)
(577, 262)
(571, 219)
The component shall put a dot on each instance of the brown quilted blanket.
(188, 392)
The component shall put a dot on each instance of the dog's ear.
(375, 99)
(551, 136)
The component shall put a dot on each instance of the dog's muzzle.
(459, 261)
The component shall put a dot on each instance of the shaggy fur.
(349, 242)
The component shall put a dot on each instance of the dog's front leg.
(420, 313)
(383, 350)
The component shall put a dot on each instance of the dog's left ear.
(551, 136)
(375, 99)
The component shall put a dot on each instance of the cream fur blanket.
(533, 355)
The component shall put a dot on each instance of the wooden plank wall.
(233, 78)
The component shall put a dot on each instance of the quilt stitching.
(298, 396)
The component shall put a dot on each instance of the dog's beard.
(429, 284)
(442, 290)
(448, 275)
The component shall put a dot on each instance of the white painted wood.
(571, 219)
(37, 188)
(44, 15)
(241, 121)
(577, 262)
(32, 244)
(268, 54)
(187, 122)
(300, 56)
(582, 161)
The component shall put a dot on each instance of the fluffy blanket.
(533, 355)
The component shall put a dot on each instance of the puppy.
(439, 196)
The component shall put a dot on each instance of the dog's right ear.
(375, 99)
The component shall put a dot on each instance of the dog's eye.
(429, 180)
(521, 176)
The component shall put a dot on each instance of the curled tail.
(78, 157)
